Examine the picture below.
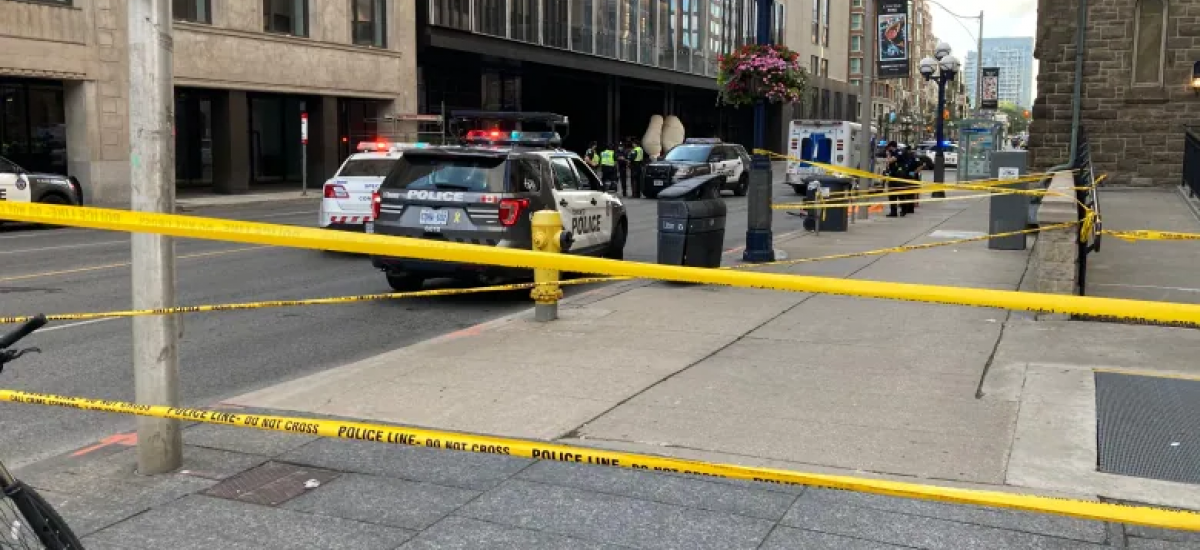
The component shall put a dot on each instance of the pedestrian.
(608, 168)
(904, 164)
(623, 167)
(637, 167)
(592, 155)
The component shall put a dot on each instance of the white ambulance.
(833, 142)
(346, 197)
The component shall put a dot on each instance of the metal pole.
(939, 158)
(979, 66)
(867, 151)
(303, 149)
(760, 245)
(152, 180)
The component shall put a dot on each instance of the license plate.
(369, 227)
(434, 217)
(659, 183)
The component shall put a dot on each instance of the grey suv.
(485, 192)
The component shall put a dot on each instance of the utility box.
(1008, 212)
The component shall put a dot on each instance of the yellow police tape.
(540, 450)
(305, 237)
(834, 204)
(293, 303)
(1150, 235)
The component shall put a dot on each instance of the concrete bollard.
(548, 236)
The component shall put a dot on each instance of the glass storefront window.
(696, 34)
(648, 15)
(490, 17)
(33, 125)
(583, 25)
(627, 29)
(455, 14)
(555, 23)
(667, 12)
(524, 20)
(716, 33)
(606, 38)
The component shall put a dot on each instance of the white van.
(834, 142)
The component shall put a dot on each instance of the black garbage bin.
(837, 191)
(691, 223)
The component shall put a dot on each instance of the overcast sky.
(1000, 18)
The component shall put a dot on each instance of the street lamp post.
(942, 68)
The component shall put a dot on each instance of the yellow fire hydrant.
(548, 236)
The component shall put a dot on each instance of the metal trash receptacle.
(835, 190)
(691, 223)
(1008, 212)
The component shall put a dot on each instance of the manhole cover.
(1148, 426)
(271, 484)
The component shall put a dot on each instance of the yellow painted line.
(1151, 374)
(543, 450)
(196, 227)
(123, 264)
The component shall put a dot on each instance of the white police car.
(346, 197)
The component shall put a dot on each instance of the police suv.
(346, 197)
(699, 157)
(20, 185)
(485, 192)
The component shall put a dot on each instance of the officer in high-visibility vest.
(637, 165)
(592, 156)
(608, 168)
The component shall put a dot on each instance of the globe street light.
(942, 68)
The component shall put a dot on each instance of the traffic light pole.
(760, 245)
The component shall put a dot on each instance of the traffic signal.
(1026, 113)
(946, 114)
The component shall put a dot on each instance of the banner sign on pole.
(304, 128)
(891, 33)
(991, 89)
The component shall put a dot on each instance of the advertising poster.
(891, 33)
(991, 89)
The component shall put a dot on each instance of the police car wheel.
(616, 246)
(743, 186)
(405, 283)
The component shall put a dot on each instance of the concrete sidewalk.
(945, 395)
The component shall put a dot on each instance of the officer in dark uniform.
(902, 163)
(637, 166)
(623, 166)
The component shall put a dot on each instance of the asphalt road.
(224, 354)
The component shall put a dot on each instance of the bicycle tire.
(42, 526)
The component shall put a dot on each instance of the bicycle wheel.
(27, 521)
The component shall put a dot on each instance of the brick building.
(1136, 96)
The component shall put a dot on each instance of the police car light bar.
(513, 137)
(387, 146)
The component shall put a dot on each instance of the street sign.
(304, 128)
(1009, 173)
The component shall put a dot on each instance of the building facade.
(1014, 57)
(244, 70)
(1136, 96)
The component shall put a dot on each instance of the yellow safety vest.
(637, 154)
(608, 158)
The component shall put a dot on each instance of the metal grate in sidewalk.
(1148, 426)
(271, 484)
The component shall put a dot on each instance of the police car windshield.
(690, 153)
(366, 168)
(477, 174)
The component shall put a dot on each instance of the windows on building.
(192, 11)
(856, 65)
(856, 21)
(583, 25)
(33, 130)
(490, 16)
(814, 65)
(825, 23)
(368, 22)
(1149, 42)
(825, 68)
(855, 82)
(523, 22)
(816, 21)
(455, 14)
(856, 43)
(856, 3)
(286, 17)
(555, 23)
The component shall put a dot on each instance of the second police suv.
(485, 192)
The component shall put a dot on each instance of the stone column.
(83, 136)
(231, 142)
(322, 139)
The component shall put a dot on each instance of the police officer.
(592, 156)
(902, 163)
(637, 166)
(608, 168)
(623, 166)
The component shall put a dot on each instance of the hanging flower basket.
(754, 72)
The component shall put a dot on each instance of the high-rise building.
(1014, 57)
